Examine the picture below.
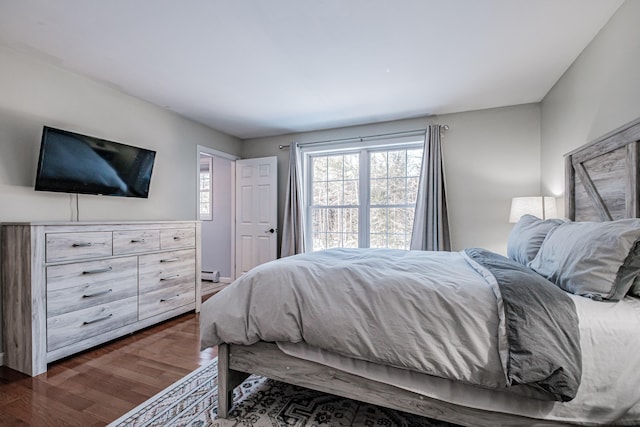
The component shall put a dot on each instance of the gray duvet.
(470, 316)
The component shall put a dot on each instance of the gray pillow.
(599, 260)
(635, 288)
(527, 237)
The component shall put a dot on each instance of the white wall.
(490, 157)
(34, 93)
(598, 93)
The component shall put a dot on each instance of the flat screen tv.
(74, 163)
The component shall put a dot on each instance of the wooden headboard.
(601, 178)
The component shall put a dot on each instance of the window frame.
(363, 148)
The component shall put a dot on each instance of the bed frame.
(237, 362)
(601, 183)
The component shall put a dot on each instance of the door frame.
(201, 149)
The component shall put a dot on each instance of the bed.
(596, 383)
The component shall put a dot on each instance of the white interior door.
(256, 212)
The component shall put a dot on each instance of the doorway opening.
(216, 211)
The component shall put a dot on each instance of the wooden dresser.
(70, 286)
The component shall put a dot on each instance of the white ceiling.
(254, 68)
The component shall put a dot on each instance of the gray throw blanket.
(542, 327)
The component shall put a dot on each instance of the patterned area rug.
(260, 402)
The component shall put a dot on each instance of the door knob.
(271, 230)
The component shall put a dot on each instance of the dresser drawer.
(80, 285)
(80, 325)
(176, 238)
(166, 299)
(82, 245)
(166, 269)
(135, 241)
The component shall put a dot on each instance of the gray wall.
(598, 93)
(490, 157)
(34, 93)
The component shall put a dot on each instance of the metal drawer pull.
(176, 237)
(81, 245)
(100, 270)
(137, 240)
(99, 319)
(169, 299)
(175, 276)
(97, 294)
(170, 259)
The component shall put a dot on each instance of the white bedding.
(609, 392)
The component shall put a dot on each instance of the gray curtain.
(293, 223)
(431, 222)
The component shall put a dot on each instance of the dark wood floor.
(98, 386)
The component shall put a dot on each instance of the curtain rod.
(362, 138)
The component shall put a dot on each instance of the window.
(362, 198)
(206, 199)
(335, 201)
(393, 185)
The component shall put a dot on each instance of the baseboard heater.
(212, 276)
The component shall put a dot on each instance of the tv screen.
(74, 163)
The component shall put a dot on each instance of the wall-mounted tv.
(74, 163)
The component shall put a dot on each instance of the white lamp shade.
(541, 207)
